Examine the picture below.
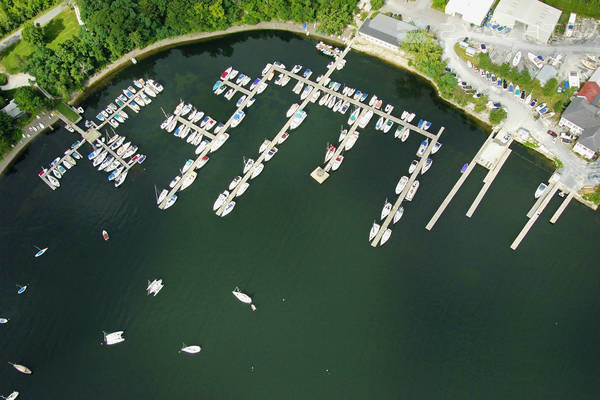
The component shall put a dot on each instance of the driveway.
(42, 20)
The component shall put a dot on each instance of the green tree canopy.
(29, 99)
(33, 34)
(497, 116)
(550, 87)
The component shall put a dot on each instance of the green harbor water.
(449, 314)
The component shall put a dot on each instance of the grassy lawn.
(582, 7)
(13, 57)
(61, 28)
(67, 112)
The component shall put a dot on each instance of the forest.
(114, 27)
(14, 13)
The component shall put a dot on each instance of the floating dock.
(562, 207)
(407, 187)
(223, 131)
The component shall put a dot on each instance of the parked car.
(566, 141)
(552, 133)
(567, 135)
(483, 48)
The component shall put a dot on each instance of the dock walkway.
(457, 185)
(545, 199)
(208, 148)
(283, 129)
(407, 187)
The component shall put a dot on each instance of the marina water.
(451, 313)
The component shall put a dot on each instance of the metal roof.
(387, 29)
(586, 116)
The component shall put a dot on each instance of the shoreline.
(97, 79)
(398, 59)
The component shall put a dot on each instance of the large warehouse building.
(538, 18)
(472, 11)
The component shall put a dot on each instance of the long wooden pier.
(283, 129)
(237, 88)
(221, 133)
(457, 185)
(407, 187)
(562, 207)
(545, 199)
(352, 100)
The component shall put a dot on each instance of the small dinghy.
(190, 349)
(464, 168)
(3, 320)
(243, 297)
(11, 396)
(105, 235)
(22, 289)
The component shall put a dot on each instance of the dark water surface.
(448, 314)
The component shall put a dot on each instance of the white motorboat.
(248, 164)
(202, 162)
(298, 119)
(353, 117)
(3, 320)
(237, 118)
(291, 110)
(337, 162)
(379, 123)
(315, 96)
(398, 214)
(351, 140)
(422, 147)
(540, 190)
(374, 229)
(258, 168)
(121, 178)
(242, 189)
(343, 134)
(234, 182)
(405, 134)
(410, 117)
(283, 137)
(191, 349)
(229, 208)
(516, 59)
(188, 180)
(21, 368)
(220, 200)
(338, 105)
(413, 166)
(385, 237)
(218, 141)
(387, 125)
(365, 119)
(201, 146)
(387, 207)
(324, 99)
(113, 338)
(404, 115)
(401, 184)
(243, 297)
(188, 164)
(170, 202)
(174, 181)
(426, 166)
(162, 196)
(436, 147)
(373, 100)
(412, 191)
(270, 153)
(154, 287)
(11, 396)
(266, 143)
(329, 153)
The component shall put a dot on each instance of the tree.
(376, 4)
(29, 100)
(33, 34)
(3, 79)
(497, 116)
(550, 87)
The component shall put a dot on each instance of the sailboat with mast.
(40, 251)
(160, 197)
(243, 297)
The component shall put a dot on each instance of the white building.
(472, 11)
(385, 31)
(538, 18)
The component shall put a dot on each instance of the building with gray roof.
(583, 118)
(385, 31)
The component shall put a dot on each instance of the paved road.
(450, 29)
(42, 20)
